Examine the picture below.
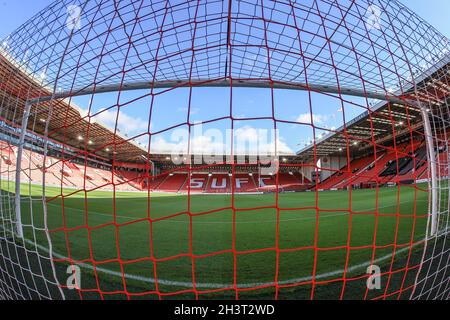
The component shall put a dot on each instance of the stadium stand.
(404, 164)
(244, 183)
(173, 182)
(197, 183)
(218, 183)
(340, 179)
(67, 173)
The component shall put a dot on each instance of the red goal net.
(224, 149)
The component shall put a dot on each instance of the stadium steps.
(156, 181)
(254, 182)
(185, 185)
(207, 183)
(345, 179)
(396, 166)
(173, 183)
(153, 182)
(159, 183)
(186, 178)
(300, 177)
(372, 172)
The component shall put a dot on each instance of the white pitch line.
(186, 284)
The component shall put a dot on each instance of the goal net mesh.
(224, 149)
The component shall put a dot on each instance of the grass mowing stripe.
(227, 222)
(212, 234)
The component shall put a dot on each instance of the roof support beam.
(383, 96)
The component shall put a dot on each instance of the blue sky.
(172, 108)
(15, 12)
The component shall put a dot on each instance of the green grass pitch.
(221, 241)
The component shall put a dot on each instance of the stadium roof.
(191, 41)
(378, 125)
(66, 124)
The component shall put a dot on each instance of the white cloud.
(178, 144)
(317, 118)
(125, 123)
(248, 133)
(160, 145)
(247, 140)
(192, 110)
(259, 141)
